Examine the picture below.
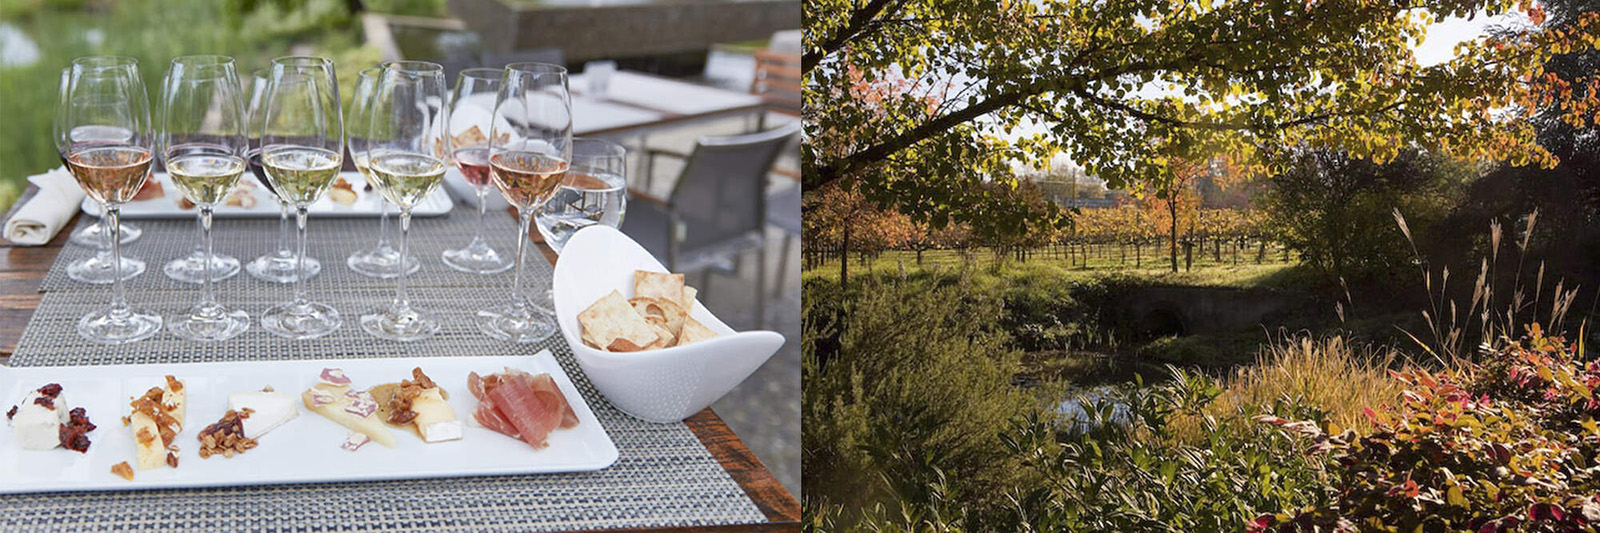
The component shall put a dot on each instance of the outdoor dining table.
(636, 104)
(24, 268)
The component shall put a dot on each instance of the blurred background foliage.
(39, 37)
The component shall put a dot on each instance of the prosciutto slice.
(521, 405)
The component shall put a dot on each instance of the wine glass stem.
(119, 300)
(283, 230)
(477, 231)
(517, 301)
(300, 299)
(383, 229)
(208, 297)
(401, 302)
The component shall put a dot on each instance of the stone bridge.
(1160, 311)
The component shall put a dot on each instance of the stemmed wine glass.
(467, 139)
(530, 146)
(282, 265)
(201, 140)
(406, 163)
(302, 149)
(95, 269)
(106, 91)
(382, 260)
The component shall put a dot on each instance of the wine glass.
(382, 260)
(467, 139)
(95, 269)
(595, 192)
(106, 91)
(302, 149)
(530, 145)
(406, 162)
(201, 140)
(282, 265)
(94, 235)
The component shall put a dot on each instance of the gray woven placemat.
(330, 241)
(664, 477)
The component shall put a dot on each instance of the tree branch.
(859, 20)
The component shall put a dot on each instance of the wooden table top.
(22, 268)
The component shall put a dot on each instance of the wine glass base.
(105, 327)
(382, 263)
(195, 327)
(505, 323)
(297, 321)
(91, 236)
(280, 269)
(96, 269)
(477, 260)
(412, 325)
(191, 269)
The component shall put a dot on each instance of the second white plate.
(367, 204)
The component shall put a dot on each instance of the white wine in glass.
(202, 140)
(302, 148)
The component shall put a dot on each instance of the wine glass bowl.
(107, 92)
(202, 143)
(530, 146)
(302, 149)
(595, 192)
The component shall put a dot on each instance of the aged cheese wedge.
(418, 405)
(355, 410)
(156, 420)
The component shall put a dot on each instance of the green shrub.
(906, 382)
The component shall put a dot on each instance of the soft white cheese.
(441, 431)
(38, 427)
(268, 410)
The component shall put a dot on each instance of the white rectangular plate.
(303, 450)
(368, 203)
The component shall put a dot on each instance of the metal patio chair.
(717, 209)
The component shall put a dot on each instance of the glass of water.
(595, 191)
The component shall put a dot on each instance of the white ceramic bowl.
(666, 385)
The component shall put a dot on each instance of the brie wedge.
(268, 410)
(435, 419)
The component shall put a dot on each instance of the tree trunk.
(844, 257)
(1172, 209)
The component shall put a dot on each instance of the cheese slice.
(268, 410)
(355, 410)
(175, 398)
(435, 419)
(149, 451)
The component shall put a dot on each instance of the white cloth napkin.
(457, 186)
(48, 211)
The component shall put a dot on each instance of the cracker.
(657, 285)
(611, 322)
(694, 331)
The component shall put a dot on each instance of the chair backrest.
(721, 194)
(777, 80)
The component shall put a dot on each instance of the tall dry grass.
(1325, 372)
